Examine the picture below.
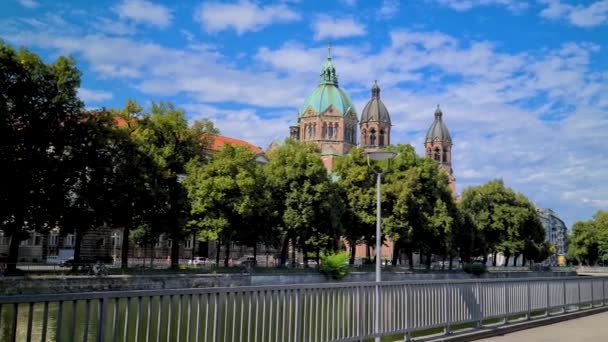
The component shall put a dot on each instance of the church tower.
(327, 117)
(438, 146)
(375, 124)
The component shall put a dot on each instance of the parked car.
(198, 261)
(67, 263)
(246, 261)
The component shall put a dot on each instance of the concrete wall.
(60, 284)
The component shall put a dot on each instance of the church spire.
(328, 74)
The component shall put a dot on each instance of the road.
(589, 329)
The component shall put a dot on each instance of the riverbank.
(69, 283)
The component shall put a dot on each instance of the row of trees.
(589, 240)
(148, 172)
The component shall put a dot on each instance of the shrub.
(475, 268)
(335, 266)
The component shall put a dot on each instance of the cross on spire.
(329, 49)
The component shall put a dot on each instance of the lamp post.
(378, 155)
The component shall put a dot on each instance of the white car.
(197, 261)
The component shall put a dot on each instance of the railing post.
(603, 292)
(298, 318)
(479, 320)
(548, 299)
(578, 283)
(565, 297)
(448, 305)
(101, 325)
(506, 303)
(529, 299)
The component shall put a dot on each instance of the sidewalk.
(592, 328)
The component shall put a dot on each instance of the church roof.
(328, 93)
(375, 110)
(438, 130)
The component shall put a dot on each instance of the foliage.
(589, 240)
(504, 219)
(308, 203)
(39, 113)
(335, 266)
(475, 268)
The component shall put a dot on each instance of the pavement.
(588, 329)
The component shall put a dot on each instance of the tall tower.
(438, 146)
(375, 124)
(327, 117)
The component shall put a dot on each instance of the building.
(438, 146)
(329, 119)
(556, 232)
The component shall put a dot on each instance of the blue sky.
(523, 84)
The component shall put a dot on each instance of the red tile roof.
(219, 141)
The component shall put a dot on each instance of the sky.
(523, 84)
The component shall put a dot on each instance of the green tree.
(357, 186)
(421, 213)
(589, 240)
(39, 110)
(307, 201)
(225, 194)
(504, 219)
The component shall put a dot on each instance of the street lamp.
(379, 156)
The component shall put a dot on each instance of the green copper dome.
(328, 93)
(438, 129)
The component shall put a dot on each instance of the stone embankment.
(62, 284)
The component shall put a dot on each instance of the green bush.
(475, 268)
(335, 266)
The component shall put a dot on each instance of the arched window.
(381, 140)
(445, 156)
(310, 134)
(336, 130)
(437, 154)
(364, 136)
(324, 131)
(372, 137)
(330, 131)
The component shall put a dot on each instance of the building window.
(310, 133)
(372, 137)
(188, 244)
(53, 239)
(437, 155)
(330, 131)
(115, 240)
(364, 134)
(37, 240)
(70, 240)
(381, 140)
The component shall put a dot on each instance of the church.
(329, 119)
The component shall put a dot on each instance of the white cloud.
(594, 14)
(389, 8)
(465, 5)
(145, 12)
(243, 16)
(29, 3)
(90, 95)
(495, 103)
(329, 27)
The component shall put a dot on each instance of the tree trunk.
(13, 254)
(45, 247)
(227, 256)
(523, 260)
(255, 253)
(353, 251)
(410, 259)
(485, 259)
(218, 246)
(428, 261)
(515, 261)
(443, 262)
(451, 262)
(77, 245)
(124, 253)
(293, 252)
(284, 250)
(494, 258)
(175, 252)
(395, 254)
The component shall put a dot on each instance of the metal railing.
(310, 312)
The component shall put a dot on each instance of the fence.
(310, 312)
